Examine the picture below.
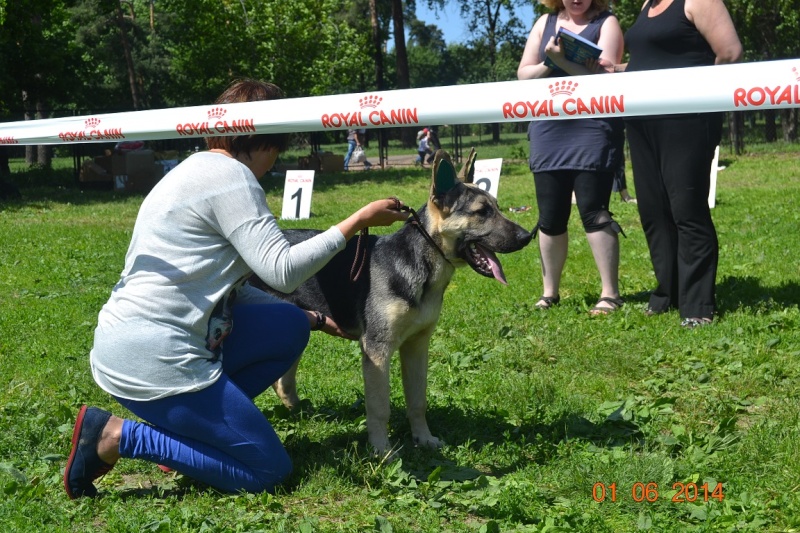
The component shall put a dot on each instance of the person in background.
(165, 346)
(671, 155)
(433, 143)
(423, 148)
(352, 142)
(361, 137)
(579, 156)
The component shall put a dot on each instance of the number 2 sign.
(487, 174)
(297, 194)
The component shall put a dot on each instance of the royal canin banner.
(739, 87)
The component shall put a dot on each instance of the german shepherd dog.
(396, 300)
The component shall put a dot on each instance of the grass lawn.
(554, 421)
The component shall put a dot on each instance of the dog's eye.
(484, 211)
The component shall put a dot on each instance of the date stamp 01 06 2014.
(649, 492)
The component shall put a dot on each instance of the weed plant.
(554, 421)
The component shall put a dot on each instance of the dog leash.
(361, 247)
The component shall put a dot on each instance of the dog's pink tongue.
(497, 268)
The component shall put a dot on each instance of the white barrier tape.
(741, 87)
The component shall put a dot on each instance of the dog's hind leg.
(414, 364)
(286, 387)
(375, 364)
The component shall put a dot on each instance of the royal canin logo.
(772, 96)
(368, 114)
(562, 102)
(563, 87)
(372, 101)
(216, 124)
(216, 113)
(8, 140)
(92, 132)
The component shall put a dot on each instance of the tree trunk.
(377, 45)
(30, 152)
(126, 50)
(737, 132)
(407, 135)
(44, 153)
(789, 124)
(5, 169)
(8, 190)
(770, 131)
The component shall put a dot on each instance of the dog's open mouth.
(484, 262)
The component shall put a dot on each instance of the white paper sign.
(712, 190)
(297, 194)
(487, 174)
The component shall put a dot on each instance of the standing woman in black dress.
(575, 156)
(671, 155)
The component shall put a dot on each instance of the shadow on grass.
(747, 292)
(345, 450)
(530, 442)
(735, 293)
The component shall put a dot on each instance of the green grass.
(535, 407)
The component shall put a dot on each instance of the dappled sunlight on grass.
(536, 407)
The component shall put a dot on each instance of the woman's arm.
(283, 266)
(532, 66)
(611, 41)
(378, 213)
(712, 20)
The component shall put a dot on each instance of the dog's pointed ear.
(444, 174)
(467, 174)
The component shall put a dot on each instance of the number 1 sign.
(297, 194)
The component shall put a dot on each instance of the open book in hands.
(576, 48)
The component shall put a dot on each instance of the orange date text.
(649, 492)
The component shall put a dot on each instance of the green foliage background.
(66, 55)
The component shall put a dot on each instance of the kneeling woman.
(166, 347)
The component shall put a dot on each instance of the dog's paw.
(385, 453)
(428, 441)
(288, 395)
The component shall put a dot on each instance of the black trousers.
(671, 159)
(554, 199)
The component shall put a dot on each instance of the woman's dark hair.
(248, 90)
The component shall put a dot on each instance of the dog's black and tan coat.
(395, 303)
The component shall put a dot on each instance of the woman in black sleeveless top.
(579, 155)
(672, 154)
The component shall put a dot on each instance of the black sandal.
(546, 302)
(616, 305)
(691, 323)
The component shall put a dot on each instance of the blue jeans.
(351, 146)
(217, 435)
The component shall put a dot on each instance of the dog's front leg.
(286, 387)
(414, 364)
(375, 363)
